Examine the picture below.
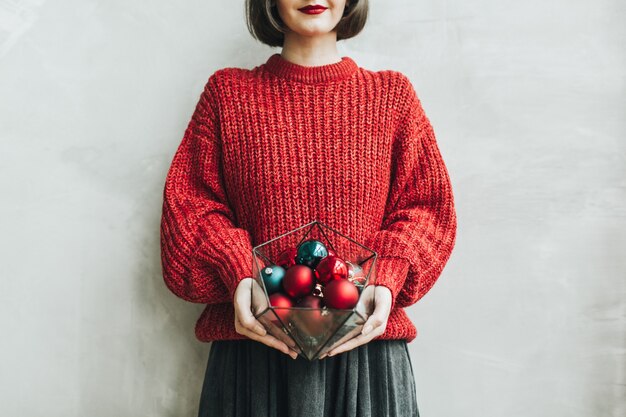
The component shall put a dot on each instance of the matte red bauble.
(298, 281)
(309, 301)
(287, 258)
(331, 268)
(341, 294)
(282, 301)
(312, 321)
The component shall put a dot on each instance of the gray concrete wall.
(528, 102)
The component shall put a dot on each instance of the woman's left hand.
(373, 327)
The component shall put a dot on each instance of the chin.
(313, 30)
(312, 34)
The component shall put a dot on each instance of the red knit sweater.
(271, 148)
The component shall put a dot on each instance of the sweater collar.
(336, 71)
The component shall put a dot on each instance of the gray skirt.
(246, 378)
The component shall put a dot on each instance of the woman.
(306, 135)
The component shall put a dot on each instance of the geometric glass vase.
(314, 331)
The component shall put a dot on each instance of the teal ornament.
(273, 278)
(310, 253)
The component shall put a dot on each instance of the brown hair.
(265, 24)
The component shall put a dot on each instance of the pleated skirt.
(246, 378)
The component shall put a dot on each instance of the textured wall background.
(528, 102)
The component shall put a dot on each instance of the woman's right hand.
(245, 322)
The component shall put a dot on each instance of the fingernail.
(261, 330)
(366, 329)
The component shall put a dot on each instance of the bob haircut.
(265, 24)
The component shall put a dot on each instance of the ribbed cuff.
(234, 265)
(391, 272)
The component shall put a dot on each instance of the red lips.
(313, 9)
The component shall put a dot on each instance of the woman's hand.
(373, 327)
(245, 322)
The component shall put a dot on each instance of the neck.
(311, 50)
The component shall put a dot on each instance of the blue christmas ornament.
(273, 278)
(310, 253)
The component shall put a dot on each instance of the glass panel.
(311, 331)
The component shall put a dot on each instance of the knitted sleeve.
(204, 254)
(419, 225)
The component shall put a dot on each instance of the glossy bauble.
(310, 253)
(341, 294)
(287, 258)
(298, 281)
(356, 274)
(273, 278)
(331, 268)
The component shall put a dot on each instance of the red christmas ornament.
(287, 258)
(281, 300)
(309, 301)
(341, 294)
(298, 281)
(312, 321)
(331, 268)
(331, 252)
